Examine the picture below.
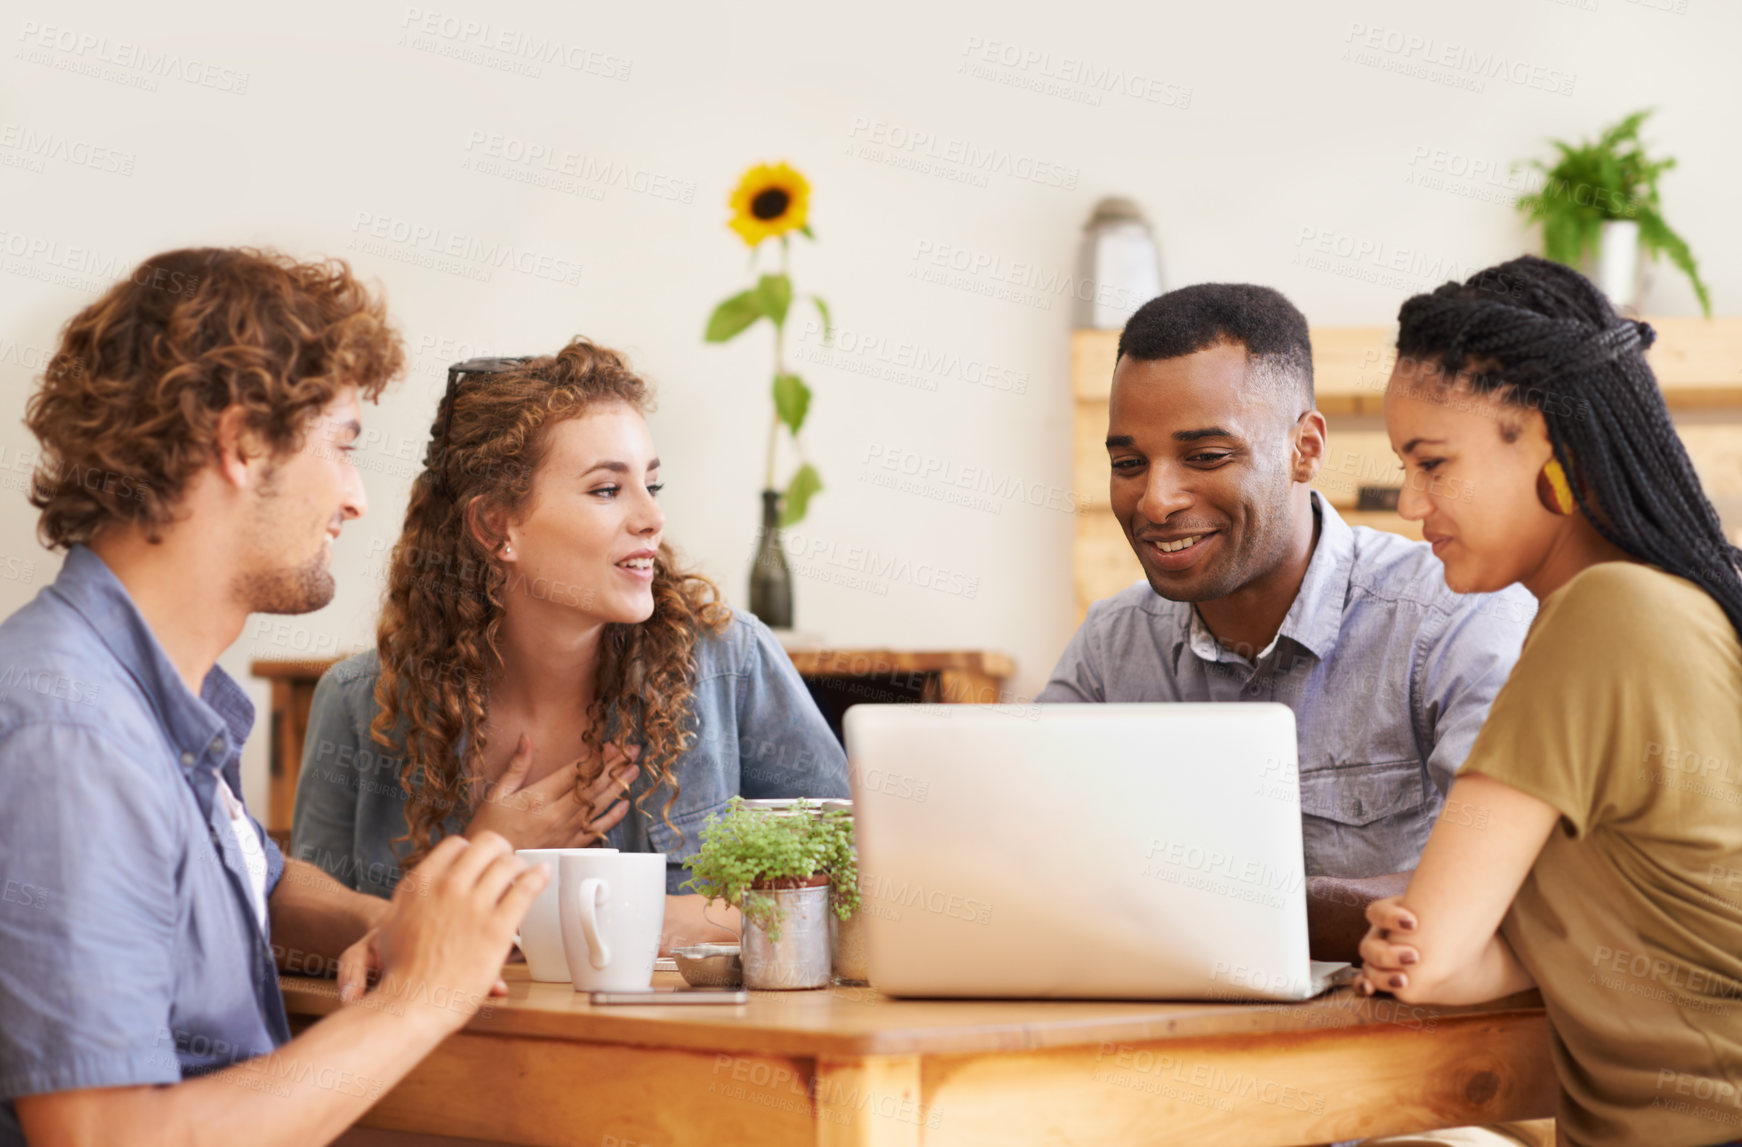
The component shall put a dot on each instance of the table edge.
(312, 999)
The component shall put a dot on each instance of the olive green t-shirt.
(1624, 713)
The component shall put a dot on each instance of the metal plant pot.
(800, 958)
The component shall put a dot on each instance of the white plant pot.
(1617, 269)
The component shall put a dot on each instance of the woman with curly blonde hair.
(544, 666)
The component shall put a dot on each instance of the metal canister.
(1118, 266)
(800, 958)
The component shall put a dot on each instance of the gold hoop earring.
(1553, 490)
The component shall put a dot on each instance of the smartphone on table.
(673, 996)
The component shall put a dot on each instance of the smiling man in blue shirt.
(196, 423)
(1256, 590)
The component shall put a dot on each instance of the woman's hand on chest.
(554, 810)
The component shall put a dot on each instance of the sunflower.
(769, 201)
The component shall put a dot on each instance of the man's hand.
(548, 813)
(440, 947)
(452, 924)
(315, 918)
(360, 966)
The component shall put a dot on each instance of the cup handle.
(592, 891)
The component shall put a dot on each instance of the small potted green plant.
(1599, 208)
(777, 867)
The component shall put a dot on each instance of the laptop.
(1112, 851)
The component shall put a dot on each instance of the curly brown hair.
(444, 606)
(129, 406)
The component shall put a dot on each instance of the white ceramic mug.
(613, 911)
(541, 933)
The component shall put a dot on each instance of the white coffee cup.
(613, 911)
(541, 933)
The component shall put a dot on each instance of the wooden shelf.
(1698, 363)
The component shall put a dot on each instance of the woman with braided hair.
(1592, 843)
(545, 668)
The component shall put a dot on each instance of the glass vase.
(770, 576)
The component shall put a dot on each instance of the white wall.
(1282, 139)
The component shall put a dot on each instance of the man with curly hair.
(196, 423)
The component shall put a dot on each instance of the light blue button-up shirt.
(1389, 673)
(129, 949)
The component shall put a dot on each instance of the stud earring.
(1553, 490)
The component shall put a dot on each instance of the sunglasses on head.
(455, 373)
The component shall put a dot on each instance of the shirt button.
(217, 744)
(187, 758)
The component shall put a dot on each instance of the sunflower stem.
(773, 432)
(779, 369)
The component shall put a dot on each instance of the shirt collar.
(1315, 619)
(207, 730)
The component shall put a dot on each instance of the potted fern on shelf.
(1599, 209)
(777, 867)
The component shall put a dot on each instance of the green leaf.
(731, 317)
(828, 323)
(808, 233)
(1657, 238)
(792, 398)
(804, 485)
(774, 293)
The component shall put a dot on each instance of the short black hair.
(1195, 318)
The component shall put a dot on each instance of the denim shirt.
(758, 734)
(129, 949)
(1389, 673)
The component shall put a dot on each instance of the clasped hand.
(1386, 954)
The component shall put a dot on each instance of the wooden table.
(847, 1066)
(838, 678)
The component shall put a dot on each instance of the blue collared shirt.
(1389, 673)
(129, 949)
